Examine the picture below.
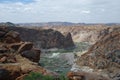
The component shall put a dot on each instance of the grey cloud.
(62, 10)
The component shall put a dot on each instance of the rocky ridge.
(45, 38)
(18, 58)
(103, 58)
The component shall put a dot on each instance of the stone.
(25, 46)
(33, 55)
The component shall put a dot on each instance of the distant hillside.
(7, 24)
(46, 24)
(62, 24)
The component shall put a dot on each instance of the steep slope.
(45, 38)
(103, 57)
(88, 33)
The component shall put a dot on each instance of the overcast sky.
(87, 11)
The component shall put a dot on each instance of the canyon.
(86, 52)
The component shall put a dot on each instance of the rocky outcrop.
(18, 58)
(104, 56)
(45, 38)
(33, 55)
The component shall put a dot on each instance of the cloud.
(14, 1)
(103, 10)
(60, 10)
(86, 11)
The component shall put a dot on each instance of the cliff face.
(45, 38)
(88, 33)
(104, 56)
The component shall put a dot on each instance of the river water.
(61, 61)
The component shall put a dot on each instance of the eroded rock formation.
(88, 33)
(18, 58)
(45, 38)
(103, 58)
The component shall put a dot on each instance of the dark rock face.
(68, 39)
(104, 54)
(45, 38)
(33, 55)
(25, 46)
(4, 74)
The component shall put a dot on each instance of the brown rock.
(33, 55)
(24, 47)
(14, 70)
(12, 37)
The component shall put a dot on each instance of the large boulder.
(33, 55)
(104, 56)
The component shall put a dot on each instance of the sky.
(78, 11)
